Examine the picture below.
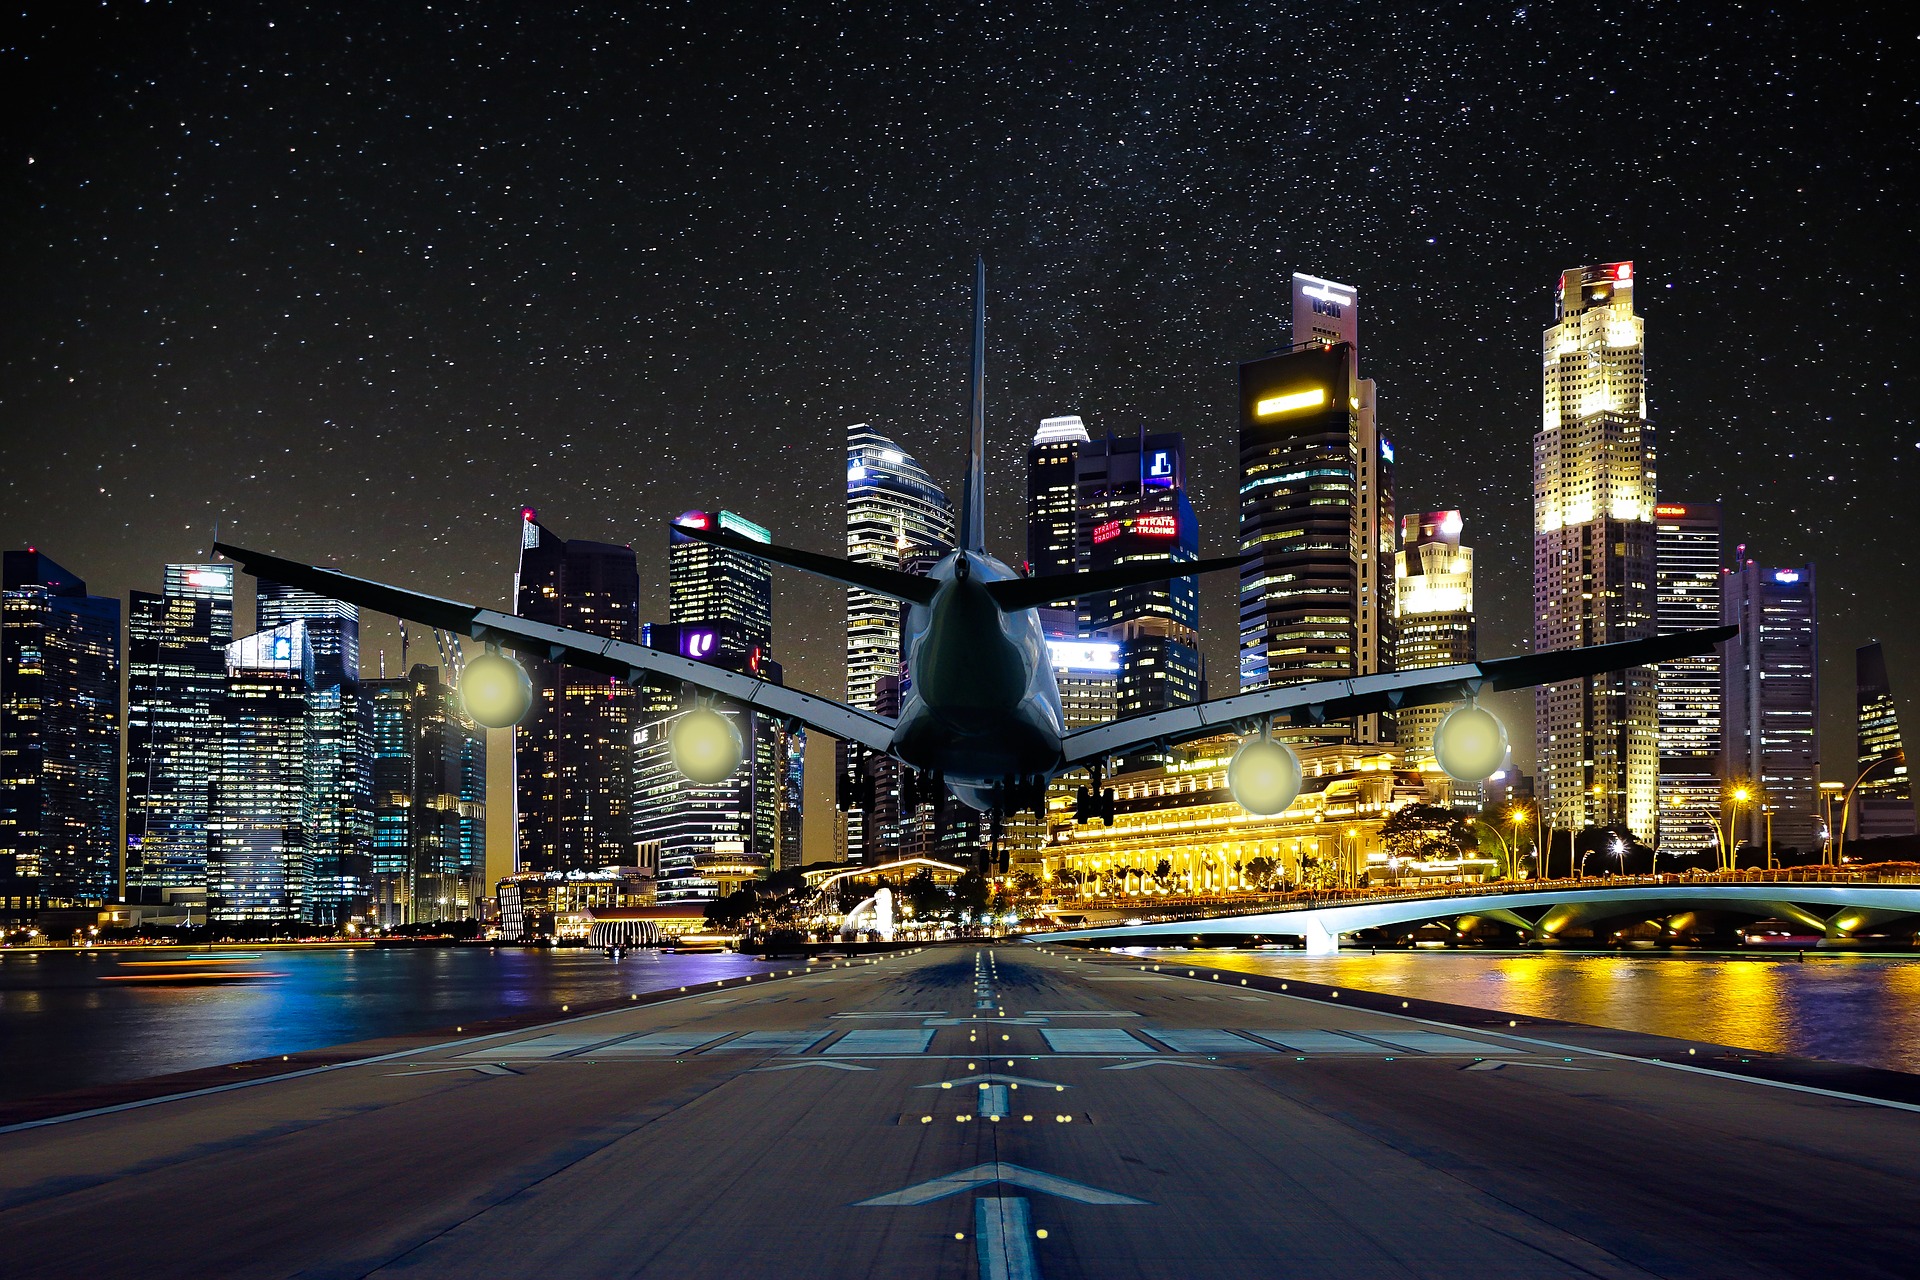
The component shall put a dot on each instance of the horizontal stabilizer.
(1030, 593)
(911, 587)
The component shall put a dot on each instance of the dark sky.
(358, 281)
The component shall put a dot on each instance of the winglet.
(973, 490)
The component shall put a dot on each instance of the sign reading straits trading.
(1146, 526)
(1084, 655)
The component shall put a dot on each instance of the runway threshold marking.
(999, 1171)
(1093, 1040)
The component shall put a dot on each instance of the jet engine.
(1470, 744)
(706, 746)
(495, 690)
(1264, 776)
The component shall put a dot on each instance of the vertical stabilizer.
(973, 491)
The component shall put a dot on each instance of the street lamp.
(1846, 804)
(1515, 816)
(1505, 852)
(1738, 794)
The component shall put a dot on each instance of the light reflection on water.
(63, 1027)
(1861, 1009)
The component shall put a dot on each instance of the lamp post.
(1505, 852)
(1839, 843)
(1516, 816)
(1737, 795)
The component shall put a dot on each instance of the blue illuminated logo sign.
(1386, 448)
(1160, 467)
(696, 644)
(1786, 575)
(282, 649)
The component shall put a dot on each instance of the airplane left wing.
(1327, 700)
(616, 658)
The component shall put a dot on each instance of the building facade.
(897, 517)
(1883, 796)
(573, 754)
(1316, 510)
(59, 733)
(1435, 627)
(1053, 505)
(176, 671)
(1688, 690)
(260, 866)
(1771, 703)
(429, 765)
(1594, 562)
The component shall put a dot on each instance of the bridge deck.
(1211, 1130)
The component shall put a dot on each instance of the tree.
(1163, 873)
(1262, 871)
(1420, 832)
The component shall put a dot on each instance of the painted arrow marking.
(1544, 1066)
(993, 1078)
(833, 1063)
(484, 1068)
(1167, 1062)
(982, 1175)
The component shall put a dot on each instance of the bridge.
(1836, 908)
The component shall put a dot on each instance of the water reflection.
(65, 1026)
(1859, 1009)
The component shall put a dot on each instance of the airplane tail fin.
(910, 587)
(973, 490)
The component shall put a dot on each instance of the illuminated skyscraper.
(1596, 747)
(260, 867)
(339, 772)
(573, 753)
(1316, 509)
(1433, 599)
(1053, 504)
(390, 738)
(897, 517)
(709, 584)
(59, 732)
(1883, 800)
(1772, 700)
(176, 672)
(1689, 689)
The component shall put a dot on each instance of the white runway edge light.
(1264, 776)
(705, 744)
(1470, 744)
(495, 690)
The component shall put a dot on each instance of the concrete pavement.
(932, 1114)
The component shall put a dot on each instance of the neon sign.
(1084, 655)
(1289, 402)
(696, 644)
(1145, 526)
(1669, 511)
(1786, 575)
(1160, 467)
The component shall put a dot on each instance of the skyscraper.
(711, 585)
(1596, 747)
(59, 731)
(1687, 553)
(1772, 701)
(1053, 504)
(390, 763)
(1316, 509)
(176, 672)
(1883, 799)
(1433, 601)
(260, 866)
(1132, 507)
(573, 753)
(339, 773)
(899, 518)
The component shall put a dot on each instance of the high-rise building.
(1772, 701)
(709, 584)
(1688, 690)
(59, 732)
(1594, 561)
(176, 672)
(260, 867)
(430, 814)
(1132, 507)
(1883, 798)
(1053, 503)
(573, 754)
(339, 772)
(899, 518)
(1433, 605)
(390, 762)
(1316, 509)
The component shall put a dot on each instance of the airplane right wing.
(1326, 700)
(616, 658)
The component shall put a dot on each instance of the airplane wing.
(615, 658)
(1337, 699)
(1031, 593)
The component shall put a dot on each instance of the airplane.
(981, 717)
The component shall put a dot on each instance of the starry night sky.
(356, 282)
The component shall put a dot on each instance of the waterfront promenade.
(1150, 1123)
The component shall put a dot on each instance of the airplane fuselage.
(981, 706)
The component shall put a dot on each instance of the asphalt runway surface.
(993, 1111)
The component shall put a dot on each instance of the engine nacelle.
(1470, 744)
(706, 746)
(1264, 776)
(495, 690)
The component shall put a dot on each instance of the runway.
(968, 1111)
